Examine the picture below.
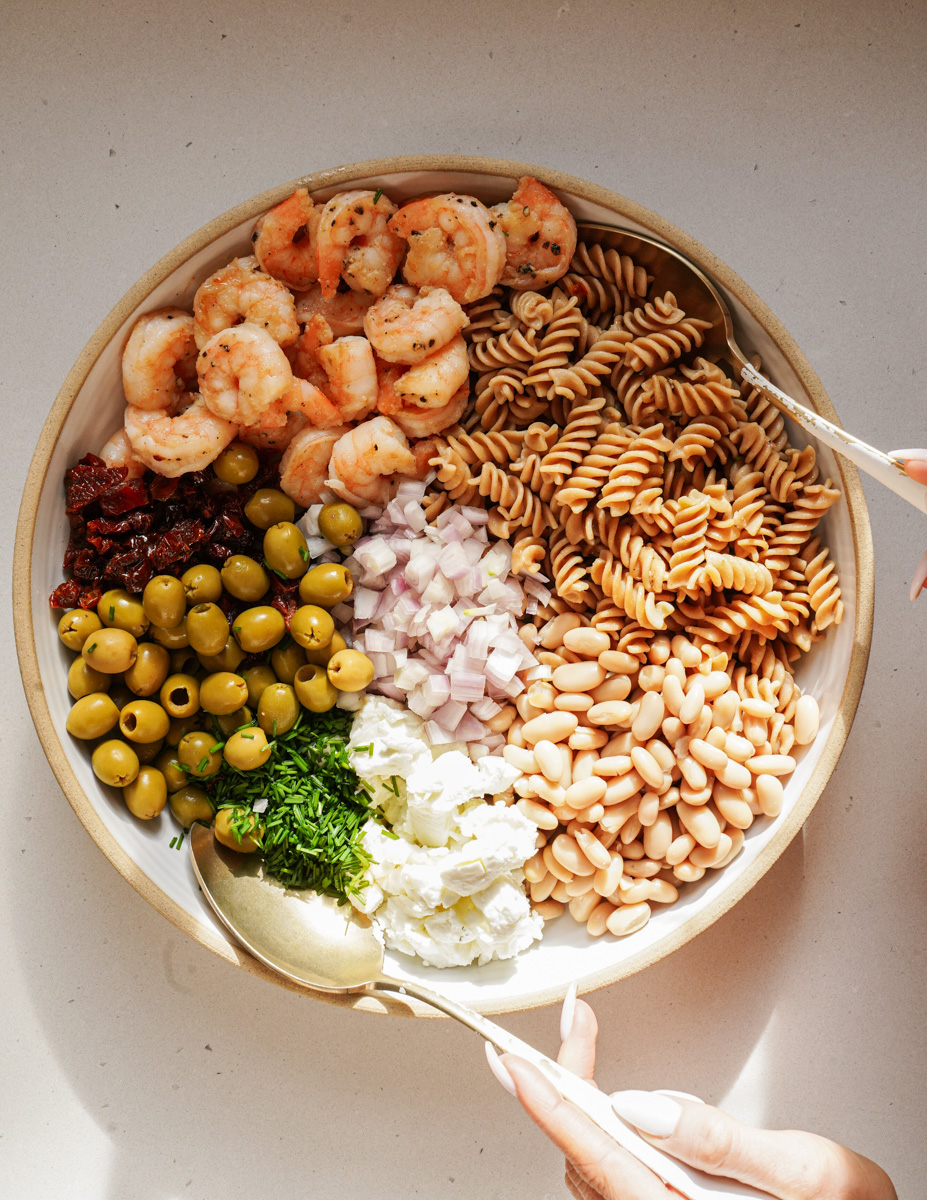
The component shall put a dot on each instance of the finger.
(598, 1159)
(920, 575)
(915, 463)
(786, 1163)
(577, 1053)
(579, 1186)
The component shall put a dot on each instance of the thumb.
(788, 1164)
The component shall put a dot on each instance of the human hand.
(915, 465)
(787, 1164)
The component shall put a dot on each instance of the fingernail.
(568, 1012)
(680, 1095)
(919, 576)
(905, 454)
(651, 1112)
(495, 1065)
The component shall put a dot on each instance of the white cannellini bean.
(566, 765)
(649, 716)
(702, 723)
(611, 765)
(703, 856)
(593, 849)
(628, 919)
(680, 848)
(547, 756)
(560, 893)
(769, 764)
(734, 774)
(752, 706)
(582, 907)
(573, 702)
(579, 676)
(658, 836)
(525, 760)
(673, 694)
(738, 748)
(579, 885)
(538, 813)
(616, 688)
(586, 641)
(807, 720)
(587, 739)
(648, 809)
(707, 754)
(688, 872)
(587, 791)
(647, 766)
(597, 923)
(553, 727)
(551, 792)
(549, 910)
(619, 663)
(716, 683)
(725, 709)
(584, 762)
(701, 822)
(716, 737)
(555, 630)
(650, 678)
(567, 853)
(540, 890)
(691, 707)
(622, 788)
(769, 795)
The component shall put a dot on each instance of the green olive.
(229, 722)
(227, 659)
(312, 627)
(144, 721)
(287, 660)
(238, 463)
(349, 670)
(247, 749)
(83, 679)
(322, 655)
(202, 584)
(148, 751)
(110, 651)
(76, 626)
(257, 679)
(184, 661)
(180, 727)
(180, 695)
(189, 804)
(115, 763)
(118, 610)
(252, 831)
(171, 639)
(223, 692)
(269, 507)
(285, 550)
(92, 716)
(149, 670)
(326, 585)
(146, 796)
(120, 694)
(259, 629)
(165, 601)
(314, 689)
(278, 709)
(207, 628)
(196, 752)
(340, 523)
(244, 578)
(168, 764)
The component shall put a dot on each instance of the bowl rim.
(252, 208)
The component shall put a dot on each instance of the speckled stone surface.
(788, 138)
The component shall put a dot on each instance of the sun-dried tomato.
(87, 480)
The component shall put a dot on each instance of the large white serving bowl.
(89, 407)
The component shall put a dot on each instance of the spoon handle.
(888, 471)
(691, 1183)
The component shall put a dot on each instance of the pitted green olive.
(229, 722)
(314, 689)
(268, 506)
(259, 629)
(189, 804)
(196, 751)
(327, 584)
(207, 628)
(312, 627)
(180, 695)
(223, 692)
(149, 670)
(165, 601)
(168, 764)
(120, 694)
(227, 659)
(286, 661)
(349, 670)
(144, 721)
(92, 716)
(148, 751)
(110, 651)
(185, 661)
(146, 795)
(76, 626)
(84, 679)
(278, 709)
(180, 727)
(115, 763)
(247, 749)
(340, 523)
(244, 578)
(320, 657)
(257, 679)
(202, 584)
(172, 639)
(238, 463)
(118, 610)
(285, 550)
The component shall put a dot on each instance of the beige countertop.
(789, 139)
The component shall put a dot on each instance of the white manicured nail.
(905, 454)
(568, 1012)
(680, 1095)
(651, 1112)
(919, 576)
(495, 1065)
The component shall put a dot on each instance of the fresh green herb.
(236, 629)
(216, 748)
(92, 648)
(304, 553)
(202, 764)
(376, 195)
(112, 612)
(177, 842)
(316, 806)
(392, 786)
(249, 736)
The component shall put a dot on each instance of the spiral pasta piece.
(823, 589)
(689, 527)
(778, 477)
(591, 473)
(652, 350)
(532, 309)
(517, 503)
(637, 463)
(643, 606)
(503, 350)
(596, 363)
(578, 435)
(739, 574)
(621, 269)
(795, 529)
(557, 344)
(528, 552)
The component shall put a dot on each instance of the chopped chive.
(112, 612)
(304, 553)
(202, 764)
(376, 195)
(249, 736)
(236, 629)
(216, 748)
(92, 648)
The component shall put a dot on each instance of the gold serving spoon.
(317, 943)
(699, 296)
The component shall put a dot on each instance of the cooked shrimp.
(406, 325)
(159, 358)
(540, 236)
(285, 241)
(243, 373)
(423, 451)
(304, 466)
(352, 376)
(344, 312)
(364, 458)
(454, 243)
(421, 422)
(304, 397)
(304, 353)
(357, 244)
(434, 380)
(174, 444)
(273, 439)
(118, 453)
(242, 291)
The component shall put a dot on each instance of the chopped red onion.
(436, 689)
